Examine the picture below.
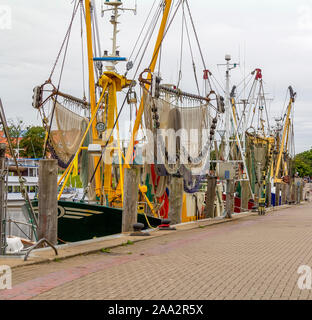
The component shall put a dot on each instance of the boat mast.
(90, 59)
(138, 120)
(115, 7)
(228, 106)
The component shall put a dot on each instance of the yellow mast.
(92, 89)
(152, 68)
(285, 133)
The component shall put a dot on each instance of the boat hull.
(79, 221)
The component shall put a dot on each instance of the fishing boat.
(84, 136)
(173, 128)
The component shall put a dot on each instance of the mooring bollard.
(165, 225)
(137, 228)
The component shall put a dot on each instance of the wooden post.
(48, 211)
(293, 191)
(175, 200)
(269, 194)
(245, 196)
(131, 194)
(277, 194)
(211, 197)
(298, 185)
(296, 192)
(2, 200)
(229, 198)
(284, 194)
(301, 190)
(288, 193)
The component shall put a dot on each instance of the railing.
(17, 223)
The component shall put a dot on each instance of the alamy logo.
(5, 278)
(5, 17)
(305, 280)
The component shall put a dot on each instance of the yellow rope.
(148, 223)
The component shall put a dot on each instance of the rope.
(198, 43)
(114, 126)
(141, 32)
(63, 43)
(148, 223)
(82, 53)
(149, 33)
(192, 55)
(165, 33)
(129, 90)
(181, 48)
(62, 69)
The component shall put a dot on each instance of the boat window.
(32, 172)
(10, 189)
(32, 189)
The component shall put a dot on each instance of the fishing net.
(257, 160)
(181, 144)
(67, 130)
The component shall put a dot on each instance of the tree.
(32, 143)
(303, 164)
(16, 129)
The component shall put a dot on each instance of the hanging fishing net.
(180, 139)
(67, 130)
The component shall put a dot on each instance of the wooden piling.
(293, 192)
(130, 202)
(277, 194)
(48, 211)
(229, 198)
(288, 193)
(284, 194)
(176, 200)
(210, 197)
(269, 194)
(245, 197)
(302, 190)
(2, 199)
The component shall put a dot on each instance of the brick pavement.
(253, 258)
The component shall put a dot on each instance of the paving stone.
(255, 258)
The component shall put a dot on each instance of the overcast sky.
(275, 36)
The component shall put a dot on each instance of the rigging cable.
(123, 104)
(141, 32)
(192, 55)
(266, 109)
(181, 48)
(66, 40)
(165, 33)
(82, 54)
(149, 31)
(196, 36)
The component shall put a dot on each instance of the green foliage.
(128, 243)
(106, 250)
(32, 143)
(303, 164)
(16, 128)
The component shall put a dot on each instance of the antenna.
(114, 6)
